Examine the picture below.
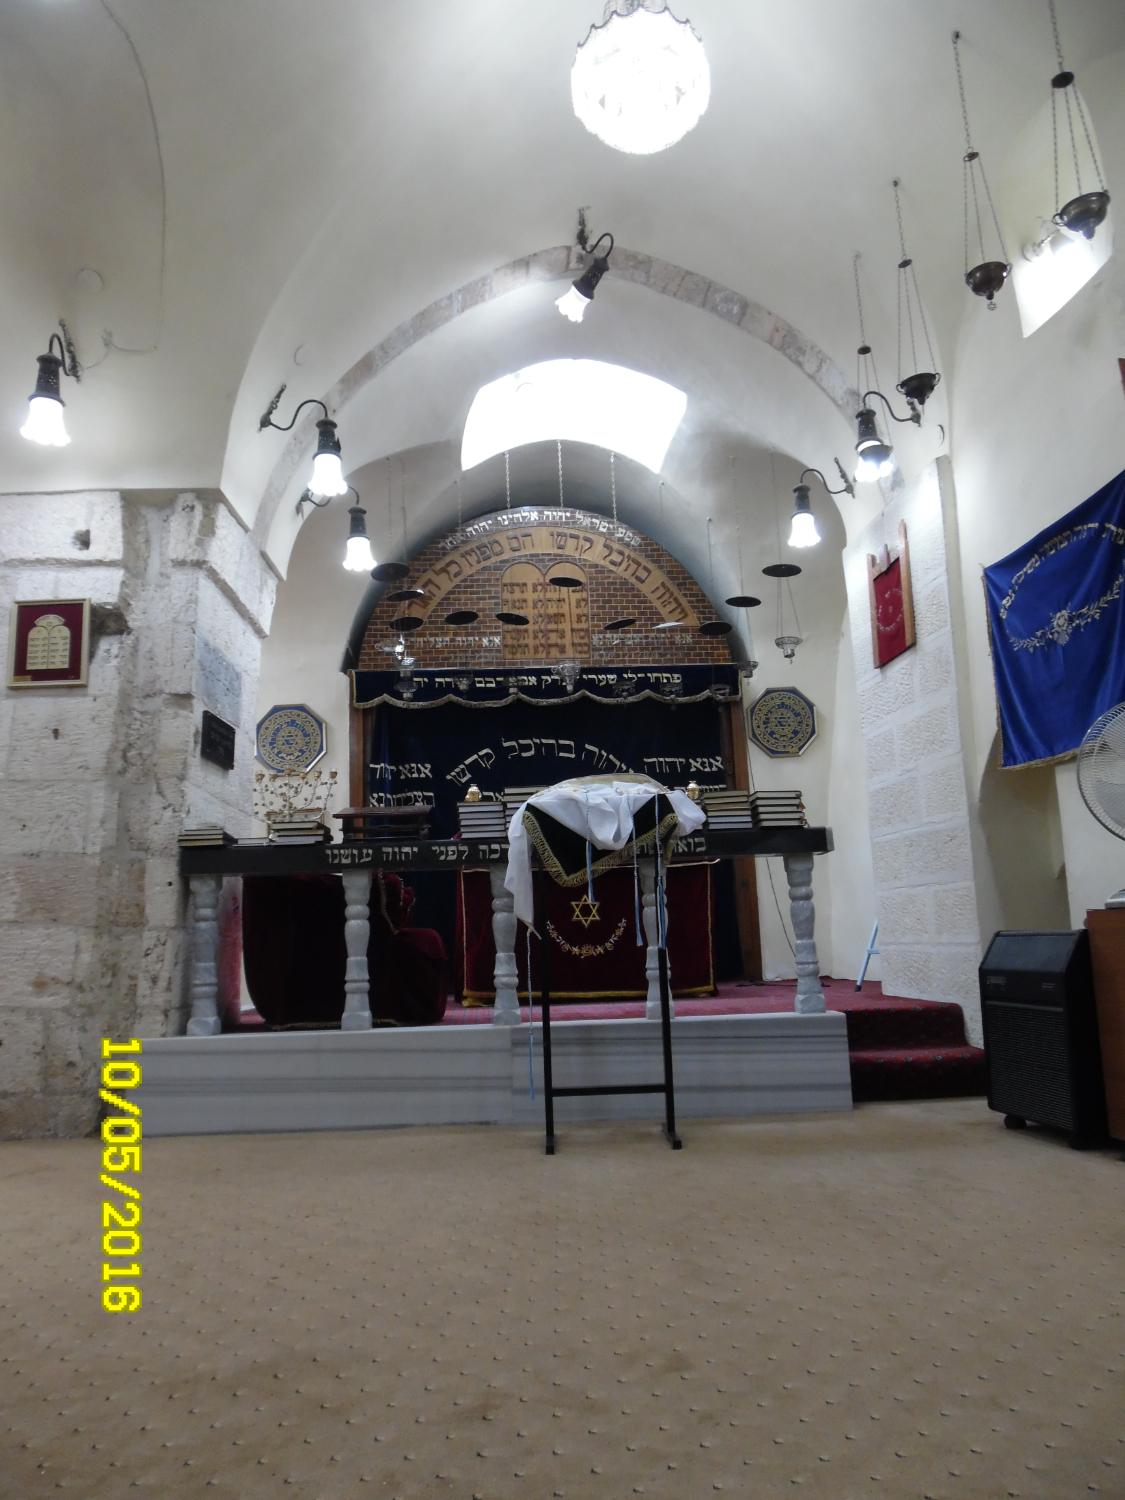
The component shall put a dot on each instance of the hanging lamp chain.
(1065, 86)
(507, 480)
(961, 92)
(866, 370)
(972, 166)
(558, 448)
(1055, 33)
(613, 485)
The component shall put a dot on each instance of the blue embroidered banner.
(1057, 623)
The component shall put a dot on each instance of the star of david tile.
(585, 911)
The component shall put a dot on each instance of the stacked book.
(308, 830)
(515, 797)
(778, 810)
(482, 820)
(205, 836)
(730, 809)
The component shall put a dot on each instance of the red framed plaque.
(892, 602)
(49, 645)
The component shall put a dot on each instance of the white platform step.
(478, 1074)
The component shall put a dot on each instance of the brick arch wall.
(627, 574)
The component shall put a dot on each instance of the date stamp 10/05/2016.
(121, 1159)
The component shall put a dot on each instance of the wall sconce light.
(327, 477)
(803, 532)
(875, 457)
(358, 556)
(45, 423)
(574, 302)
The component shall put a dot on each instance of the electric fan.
(1101, 776)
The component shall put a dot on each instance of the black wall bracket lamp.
(803, 532)
(875, 457)
(45, 423)
(577, 298)
(327, 478)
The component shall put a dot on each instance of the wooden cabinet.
(1107, 952)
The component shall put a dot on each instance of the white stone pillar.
(798, 871)
(652, 953)
(357, 930)
(505, 977)
(204, 982)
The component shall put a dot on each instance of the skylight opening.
(577, 401)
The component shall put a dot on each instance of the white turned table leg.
(652, 953)
(357, 930)
(204, 982)
(506, 1011)
(798, 872)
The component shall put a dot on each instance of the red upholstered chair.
(294, 954)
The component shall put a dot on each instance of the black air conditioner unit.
(1041, 1033)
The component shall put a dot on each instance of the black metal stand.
(551, 1093)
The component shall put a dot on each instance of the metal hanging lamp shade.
(987, 277)
(1086, 210)
(918, 384)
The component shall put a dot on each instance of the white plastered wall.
(1038, 425)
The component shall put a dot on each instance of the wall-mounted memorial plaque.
(50, 643)
(216, 742)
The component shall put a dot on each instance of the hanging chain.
(507, 480)
(460, 510)
(864, 355)
(973, 163)
(793, 607)
(558, 446)
(613, 486)
(1066, 93)
(904, 266)
(922, 316)
(734, 496)
(961, 91)
(710, 559)
(402, 506)
(1055, 32)
(858, 297)
(992, 210)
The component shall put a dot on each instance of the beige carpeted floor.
(908, 1301)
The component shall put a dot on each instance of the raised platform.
(735, 1065)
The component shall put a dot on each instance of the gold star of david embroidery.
(585, 911)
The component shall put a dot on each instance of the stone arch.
(557, 263)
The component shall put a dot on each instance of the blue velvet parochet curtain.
(1056, 618)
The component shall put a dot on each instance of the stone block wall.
(96, 782)
(921, 839)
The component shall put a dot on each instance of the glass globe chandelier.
(640, 79)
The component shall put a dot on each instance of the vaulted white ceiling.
(331, 170)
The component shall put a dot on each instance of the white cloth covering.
(600, 810)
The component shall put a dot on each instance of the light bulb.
(803, 532)
(45, 423)
(572, 304)
(327, 475)
(872, 466)
(358, 556)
